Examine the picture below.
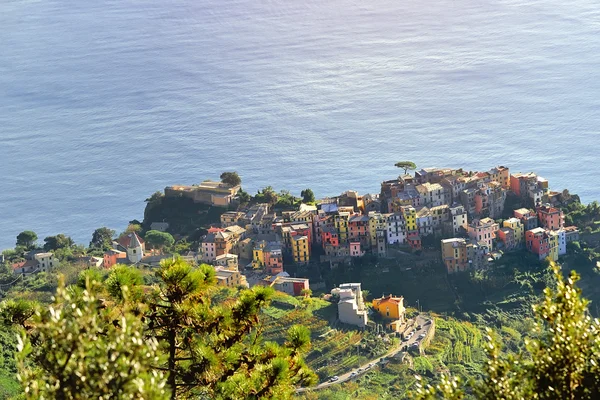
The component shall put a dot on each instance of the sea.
(104, 102)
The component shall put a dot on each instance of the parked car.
(334, 378)
(421, 336)
(370, 365)
(352, 375)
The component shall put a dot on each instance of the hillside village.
(467, 213)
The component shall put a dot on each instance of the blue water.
(104, 102)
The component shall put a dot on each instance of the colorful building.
(483, 230)
(329, 236)
(273, 258)
(454, 254)
(258, 254)
(490, 199)
(356, 250)
(410, 217)
(340, 221)
(459, 219)
(300, 249)
(396, 228)
(501, 175)
(518, 230)
(351, 306)
(358, 229)
(113, 257)
(550, 218)
(377, 222)
(390, 307)
(229, 278)
(537, 241)
(424, 222)
(432, 194)
(507, 237)
(528, 218)
(291, 286)
(227, 261)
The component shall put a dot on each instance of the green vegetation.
(586, 218)
(167, 340)
(102, 239)
(26, 239)
(406, 166)
(334, 350)
(560, 361)
(231, 178)
(159, 240)
(308, 196)
(185, 218)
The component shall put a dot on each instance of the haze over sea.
(104, 102)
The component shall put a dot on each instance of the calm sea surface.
(104, 102)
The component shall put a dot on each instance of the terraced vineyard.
(333, 350)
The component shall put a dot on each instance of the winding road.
(420, 320)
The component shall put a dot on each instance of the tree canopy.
(307, 196)
(231, 178)
(27, 239)
(59, 241)
(102, 238)
(406, 166)
(266, 195)
(115, 339)
(158, 239)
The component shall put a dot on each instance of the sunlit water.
(104, 102)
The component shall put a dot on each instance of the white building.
(227, 260)
(351, 307)
(562, 241)
(424, 222)
(395, 228)
(459, 219)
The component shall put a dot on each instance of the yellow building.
(258, 254)
(377, 222)
(410, 217)
(300, 249)
(553, 240)
(340, 221)
(519, 230)
(390, 307)
(501, 175)
(229, 278)
(455, 254)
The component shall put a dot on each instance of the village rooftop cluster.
(457, 207)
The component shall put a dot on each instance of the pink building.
(550, 218)
(414, 240)
(273, 258)
(355, 250)
(483, 230)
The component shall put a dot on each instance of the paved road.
(402, 345)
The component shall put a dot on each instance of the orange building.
(114, 257)
(538, 242)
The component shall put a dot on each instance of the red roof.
(25, 264)
(125, 240)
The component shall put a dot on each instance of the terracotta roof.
(125, 240)
(390, 299)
